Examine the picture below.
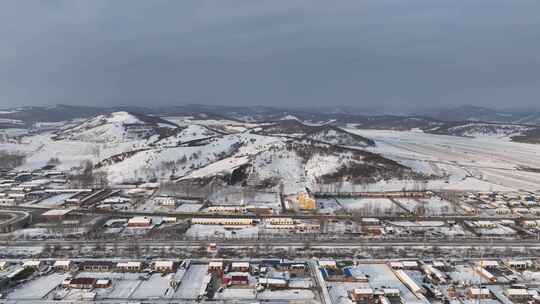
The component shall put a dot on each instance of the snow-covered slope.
(486, 129)
(321, 133)
(115, 127)
(187, 134)
(337, 136)
(135, 148)
(297, 165)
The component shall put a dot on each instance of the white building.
(167, 201)
(222, 221)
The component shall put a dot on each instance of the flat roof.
(57, 212)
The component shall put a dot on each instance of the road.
(189, 215)
(282, 243)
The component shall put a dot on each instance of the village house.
(169, 220)
(519, 264)
(62, 265)
(56, 215)
(82, 283)
(163, 266)
(293, 267)
(328, 264)
(395, 265)
(34, 264)
(517, 295)
(488, 264)
(215, 266)
(240, 266)
(129, 266)
(478, 293)
(503, 210)
(410, 265)
(140, 222)
(227, 209)
(363, 295)
(529, 224)
(274, 283)
(166, 201)
(280, 221)
(237, 278)
(484, 224)
(103, 283)
(222, 221)
(260, 210)
(97, 266)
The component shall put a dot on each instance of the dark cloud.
(284, 53)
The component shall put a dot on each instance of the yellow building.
(305, 202)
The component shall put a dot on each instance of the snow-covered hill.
(482, 130)
(187, 134)
(321, 133)
(136, 148)
(116, 127)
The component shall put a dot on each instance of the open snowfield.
(232, 293)
(409, 203)
(38, 288)
(154, 287)
(381, 275)
(123, 289)
(377, 205)
(287, 295)
(437, 206)
(212, 231)
(191, 282)
(483, 163)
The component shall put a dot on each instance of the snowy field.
(287, 295)
(371, 205)
(188, 207)
(123, 289)
(437, 206)
(191, 282)
(21, 250)
(483, 163)
(327, 205)
(210, 231)
(381, 275)
(155, 287)
(37, 288)
(232, 293)
(409, 203)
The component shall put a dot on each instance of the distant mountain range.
(475, 113)
(260, 113)
(430, 121)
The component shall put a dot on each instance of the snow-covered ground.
(373, 205)
(381, 276)
(155, 287)
(483, 163)
(213, 231)
(437, 206)
(37, 288)
(191, 283)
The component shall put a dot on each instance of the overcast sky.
(282, 53)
